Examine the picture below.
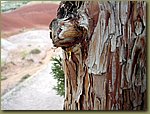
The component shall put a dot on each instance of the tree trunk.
(104, 47)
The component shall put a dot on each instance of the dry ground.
(30, 16)
(32, 21)
(25, 75)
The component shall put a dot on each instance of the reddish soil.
(28, 17)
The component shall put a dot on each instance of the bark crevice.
(104, 45)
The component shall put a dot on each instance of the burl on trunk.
(104, 47)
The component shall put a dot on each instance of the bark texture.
(104, 47)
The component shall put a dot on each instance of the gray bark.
(104, 47)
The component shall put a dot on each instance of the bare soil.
(27, 83)
(20, 63)
(31, 16)
(22, 31)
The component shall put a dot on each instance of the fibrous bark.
(104, 47)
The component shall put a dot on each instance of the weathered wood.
(104, 47)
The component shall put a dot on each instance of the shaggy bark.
(104, 47)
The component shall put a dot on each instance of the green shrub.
(12, 5)
(35, 51)
(58, 74)
(25, 77)
(24, 54)
(3, 78)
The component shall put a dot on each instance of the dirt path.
(18, 62)
(35, 93)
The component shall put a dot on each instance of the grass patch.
(35, 51)
(24, 54)
(3, 78)
(25, 77)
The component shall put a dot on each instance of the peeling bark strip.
(104, 47)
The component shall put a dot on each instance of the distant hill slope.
(27, 17)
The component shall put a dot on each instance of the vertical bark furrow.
(106, 65)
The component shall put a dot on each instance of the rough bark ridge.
(104, 54)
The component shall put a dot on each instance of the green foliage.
(25, 77)
(58, 74)
(35, 51)
(3, 78)
(11, 5)
(24, 54)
